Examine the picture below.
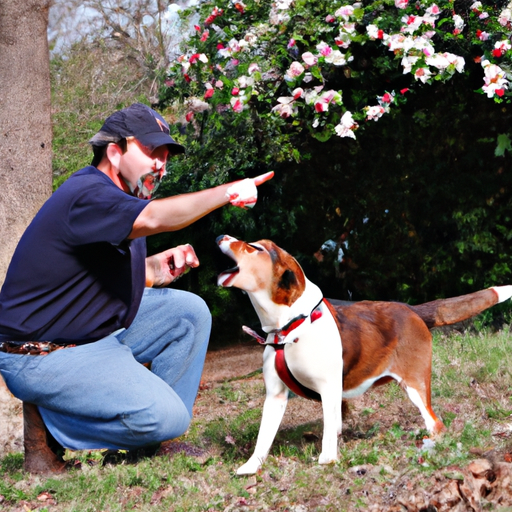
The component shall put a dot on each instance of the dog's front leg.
(273, 411)
(331, 407)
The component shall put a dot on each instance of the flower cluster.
(239, 69)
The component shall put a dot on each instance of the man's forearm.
(177, 212)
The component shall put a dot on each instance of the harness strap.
(283, 370)
(291, 382)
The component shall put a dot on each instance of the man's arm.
(177, 212)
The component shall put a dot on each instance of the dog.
(328, 350)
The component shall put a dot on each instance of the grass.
(383, 447)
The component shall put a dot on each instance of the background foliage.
(419, 203)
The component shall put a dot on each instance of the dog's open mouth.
(227, 276)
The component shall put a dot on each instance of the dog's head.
(262, 268)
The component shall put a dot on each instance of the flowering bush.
(325, 64)
(420, 198)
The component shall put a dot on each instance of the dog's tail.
(450, 311)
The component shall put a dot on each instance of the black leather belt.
(33, 348)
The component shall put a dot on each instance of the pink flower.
(330, 18)
(238, 106)
(219, 84)
(205, 35)
(209, 93)
(291, 43)
(235, 91)
(403, 91)
(298, 93)
(483, 36)
(324, 49)
(253, 68)
(197, 27)
(321, 106)
(187, 78)
(500, 92)
(189, 116)
(309, 58)
(194, 58)
(387, 98)
(401, 4)
(295, 70)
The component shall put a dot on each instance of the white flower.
(245, 81)
(283, 4)
(422, 74)
(504, 46)
(346, 126)
(412, 23)
(458, 22)
(505, 17)
(494, 79)
(408, 62)
(374, 113)
(337, 58)
(372, 31)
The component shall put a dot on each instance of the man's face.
(142, 169)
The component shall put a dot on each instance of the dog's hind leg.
(422, 401)
(273, 411)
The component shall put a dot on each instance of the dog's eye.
(255, 247)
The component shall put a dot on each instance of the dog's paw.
(250, 467)
(327, 459)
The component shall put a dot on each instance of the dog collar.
(280, 334)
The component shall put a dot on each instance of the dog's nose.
(224, 238)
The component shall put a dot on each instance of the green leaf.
(504, 144)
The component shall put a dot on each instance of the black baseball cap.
(141, 122)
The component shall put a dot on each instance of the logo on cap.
(163, 127)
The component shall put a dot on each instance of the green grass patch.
(383, 443)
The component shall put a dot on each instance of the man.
(80, 279)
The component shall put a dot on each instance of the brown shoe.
(39, 457)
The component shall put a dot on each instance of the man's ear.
(114, 154)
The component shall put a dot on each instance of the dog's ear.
(287, 280)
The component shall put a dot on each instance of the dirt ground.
(236, 361)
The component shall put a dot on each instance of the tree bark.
(25, 119)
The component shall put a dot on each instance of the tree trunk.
(25, 119)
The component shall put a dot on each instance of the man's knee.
(157, 422)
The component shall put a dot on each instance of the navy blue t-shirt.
(75, 277)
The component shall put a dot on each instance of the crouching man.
(80, 279)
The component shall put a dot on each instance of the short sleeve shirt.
(75, 276)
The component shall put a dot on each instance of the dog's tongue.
(226, 277)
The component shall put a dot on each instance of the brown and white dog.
(328, 351)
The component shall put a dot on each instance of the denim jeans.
(99, 395)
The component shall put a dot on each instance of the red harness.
(280, 363)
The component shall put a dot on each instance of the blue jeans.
(99, 395)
